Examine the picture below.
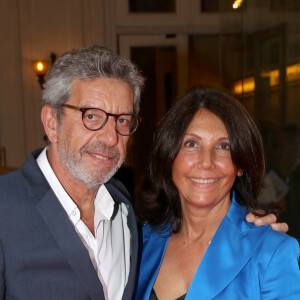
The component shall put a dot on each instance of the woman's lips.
(199, 180)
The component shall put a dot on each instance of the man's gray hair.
(87, 64)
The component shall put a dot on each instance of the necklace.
(201, 243)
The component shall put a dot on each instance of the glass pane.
(286, 5)
(159, 66)
(204, 60)
(209, 5)
(214, 6)
(258, 59)
(152, 6)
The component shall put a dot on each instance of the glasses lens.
(127, 124)
(94, 118)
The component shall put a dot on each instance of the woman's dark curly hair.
(160, 203)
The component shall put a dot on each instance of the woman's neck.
(200, 224)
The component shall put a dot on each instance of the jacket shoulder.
(274, 241)
(10, 182)
(163, 232)
(277, 262)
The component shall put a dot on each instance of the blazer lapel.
(230, 250)
(63, 231)
(70, 244)
(154, 247)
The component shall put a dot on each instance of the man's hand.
(269, 219)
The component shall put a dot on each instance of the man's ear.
(49, 120)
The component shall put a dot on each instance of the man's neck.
(82, 195)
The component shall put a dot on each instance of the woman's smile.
(203, 171)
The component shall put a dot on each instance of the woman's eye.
(224, 146)
(190, 143)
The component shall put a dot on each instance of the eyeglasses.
(95, 119)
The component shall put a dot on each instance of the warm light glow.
(237, 3)
(40, 67)
(293, 72)
(273, 77)
(248, 85)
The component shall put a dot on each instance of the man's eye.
(123, 121)
(90, 117)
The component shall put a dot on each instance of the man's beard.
(76, 166)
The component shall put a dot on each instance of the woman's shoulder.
(277, 240)
(263, 236)
(163, 232)
(277, 263)
(147, 229)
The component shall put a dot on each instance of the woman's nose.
(206, 159)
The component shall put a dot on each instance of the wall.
(30, 30)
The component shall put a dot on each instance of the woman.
(206, 173)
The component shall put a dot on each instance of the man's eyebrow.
(93, 107)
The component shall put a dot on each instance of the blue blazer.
(242, 262)
(41, 255)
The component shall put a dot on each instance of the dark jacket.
(41, 255)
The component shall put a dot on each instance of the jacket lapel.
(64, 233)
(70, 244)
(120, 194)
(154, 247)
(230, 250)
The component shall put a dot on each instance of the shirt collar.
(104, 204)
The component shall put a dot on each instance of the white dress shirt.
(109, 249)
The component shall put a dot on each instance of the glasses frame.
(115, 116)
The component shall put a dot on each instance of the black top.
(154, 297)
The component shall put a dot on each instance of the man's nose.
(108, 132)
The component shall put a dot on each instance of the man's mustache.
(101, 147)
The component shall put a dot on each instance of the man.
(59, 222)
(67, 229)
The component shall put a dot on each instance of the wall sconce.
(237, 4)
(41, 67)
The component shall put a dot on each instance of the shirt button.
(74, 213)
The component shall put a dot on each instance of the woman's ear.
(240, 172)
(49, 120)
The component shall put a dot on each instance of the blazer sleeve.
(2, 273)
(281, 278)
